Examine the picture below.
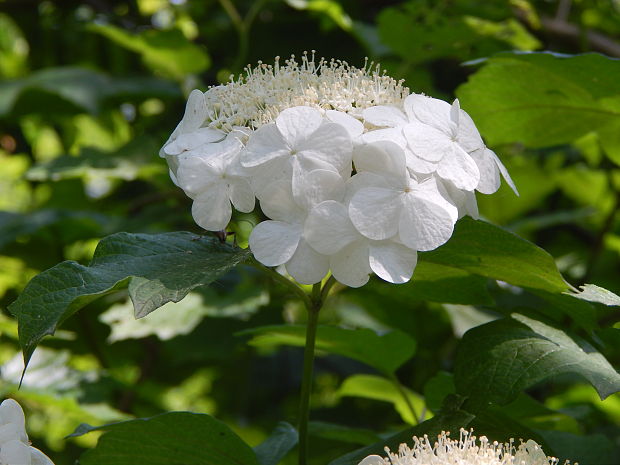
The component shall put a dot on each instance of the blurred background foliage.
(90, 90)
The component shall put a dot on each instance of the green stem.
(283, 280)
(308, 368)
(403, 393)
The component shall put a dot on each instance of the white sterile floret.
(281, 241)
(214, 179)
(467, 450)
(352, 256)
(14, 446)
(394, 204)
(300, 138)
(431, 131)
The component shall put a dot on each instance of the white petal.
(392, 262)
(12, 412)
(427, 142)
(211, 209)
(504, 171)
(350, 266)
(385, 116)
(274, 242)
(330, 143)
(241, 195)
(195, 112)
(328, 228)
(467, 135)
(390, 134)
(460, 169)
(10, 432)
(354, 127)
(306, 265)
(363, 180)
(262, 177)
(373, 460)
(310, 189)
(15, 453)
(380, 157)
(196, 175)
(264, 144)
(431, 190)
(374, 211)
(489, 172)
(297, 123)
(465, 201)
(191, 140)
(455, 110)
(39, 458)
(431, 111)
(425, 225)
(277, 202)
(419, 165)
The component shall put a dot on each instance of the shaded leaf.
(342, 433)
(385, 352)
(279, 443)
(157, 269)
(74, 90)
(498, 360)
(447, 421)
(174, 437)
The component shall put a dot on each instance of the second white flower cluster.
(352, 192)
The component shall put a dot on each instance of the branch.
(597, 41)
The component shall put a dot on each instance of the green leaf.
(167, 51)
(384, 352)
(73, 90)
(341, 433)
(157, 269)
(133, 160)
(487, 250)
(437, 282)
(593, 448)
(542, 99)
(67, 225)
(378, 388)
(498, 360)
(448, 421)
(174, 437)
(279, 443)
(594, 293)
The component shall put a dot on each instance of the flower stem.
(306, 383)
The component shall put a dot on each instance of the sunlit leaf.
(384, 352)
(487, 250)
(542, 99)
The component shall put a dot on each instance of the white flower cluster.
(467, 450)
(14, 446)
(354, 173)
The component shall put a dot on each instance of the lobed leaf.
(156, 269)
(498, 360)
